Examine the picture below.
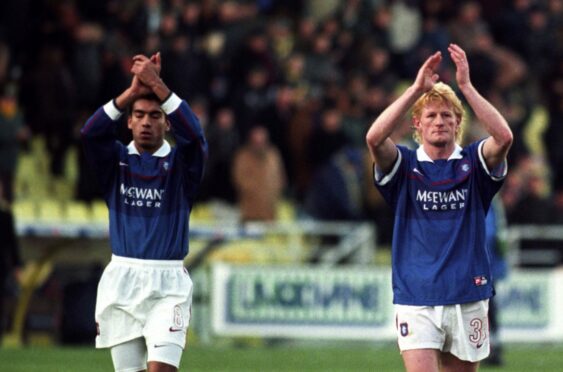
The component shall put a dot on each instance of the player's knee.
(164, 353)
(129, 356)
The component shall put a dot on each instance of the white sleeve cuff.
(171, 104)
(382, 179)
(113, 112)
(496, 174)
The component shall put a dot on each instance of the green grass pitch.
(282, 357)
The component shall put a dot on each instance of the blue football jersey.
(439, 252)
(149, 196)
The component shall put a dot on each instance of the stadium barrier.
(535, 245)
(46, 244)
(276, 291)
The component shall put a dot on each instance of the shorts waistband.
(129, 261)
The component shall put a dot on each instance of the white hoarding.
(302, 301)
(356, 303)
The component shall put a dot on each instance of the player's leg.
(420, 336)
(167, 321)
(161, 367)
(421, 360)
(469, 336)
(451, 363)
(130, 356)
(164, 357)
(117, 316)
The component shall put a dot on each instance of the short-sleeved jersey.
(149, 196)
(439, 253)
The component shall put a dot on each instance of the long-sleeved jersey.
(149, 196)
(439, 253)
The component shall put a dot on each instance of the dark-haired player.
(145, 294)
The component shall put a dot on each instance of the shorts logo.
(404, 328)
(178, 320)
(480, 280)
(97, 328)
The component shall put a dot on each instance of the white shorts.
(462, 330)
(143, 298)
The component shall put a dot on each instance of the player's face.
(148, 124)
(437, 124)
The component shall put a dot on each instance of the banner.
(529, 306)
(356, 303)
(302, 301)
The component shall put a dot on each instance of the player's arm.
(190, 139)
(496, 146)
(185, 126)
(382, 149)
(99, 142)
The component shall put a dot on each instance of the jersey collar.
(421, 155)
(160, 153)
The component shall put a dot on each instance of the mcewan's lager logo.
(141, 196)
(442, 200)
(311, 296)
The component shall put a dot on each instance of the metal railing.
(545, 245)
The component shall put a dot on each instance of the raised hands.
(147, 70)
(146, 76)
(461, 65)
(427, 74)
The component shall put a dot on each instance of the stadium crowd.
(314, 74)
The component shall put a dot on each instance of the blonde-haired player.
(440, 194)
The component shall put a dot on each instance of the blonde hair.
(443, 93)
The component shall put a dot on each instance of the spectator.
(254, 54)
(552, 88)
(10, 261)
(327, 138)
(335, 193)
(511, 28)
(222, 136)
(533, 203)
(467, 24)
(258, 176)
(13, 131)
(49, 97)
(254, 99)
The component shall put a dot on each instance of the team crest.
(404, 329)
(165, 165)
(465, 167)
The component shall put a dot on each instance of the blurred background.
(290, 240)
